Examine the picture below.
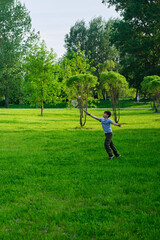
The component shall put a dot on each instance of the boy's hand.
(116, 124)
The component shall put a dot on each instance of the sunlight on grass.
(57, 183)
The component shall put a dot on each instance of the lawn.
(57, 183)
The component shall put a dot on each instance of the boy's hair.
(108, 113)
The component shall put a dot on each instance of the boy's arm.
(116, 124)
(92, 115)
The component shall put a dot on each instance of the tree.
(74, 63)
(137, 37)
(151, 86)
(41, 79)
(6, 3)
(115, 84)
(109, 65)
(81, 86)
(10, 83)
(99, 44)
(15, 39)
(76, 37)
(94, 40)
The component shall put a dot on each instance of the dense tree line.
(16, 38)
(94, 39)
(30, 73)
(137, 37)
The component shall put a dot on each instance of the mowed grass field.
(57, 183)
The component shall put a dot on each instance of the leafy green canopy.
(151, 85)
(6, 3)
(82, 80)
(74, 63)
(137, 36)
(93, 40)
(81, 86)
(41, 84)
(115, 84)
(15, 39)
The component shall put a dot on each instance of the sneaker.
(118, 156)
(110, 157)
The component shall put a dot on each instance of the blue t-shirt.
(106, 124)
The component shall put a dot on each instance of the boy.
(106, 122)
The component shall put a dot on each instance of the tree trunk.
(116, 109)
(42, 85)
(81, 116)
(155, 107)
(6, 101)
(42, 107)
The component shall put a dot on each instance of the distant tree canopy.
(137, 37)
(6, 3)
(94, 40)
(151, 86)
(15, 38)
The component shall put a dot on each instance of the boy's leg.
(107, 143)
(116, 153)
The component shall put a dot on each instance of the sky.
(54, 18)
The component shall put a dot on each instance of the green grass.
(57, 183)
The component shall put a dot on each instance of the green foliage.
(137, 37)
(41, 79)
(76, 37)
(94, 40)
(98, 43)
(115, 84)
(6, 3)
(15, 38)
(10, 83)
(110, 65)
(81, 86)
(131, 93)
(78, 62)
(147, 81)
(84, 81)
(74, 63)
(151, 86)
